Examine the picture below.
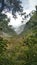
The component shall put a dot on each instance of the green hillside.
(31, 26)
(21, 49)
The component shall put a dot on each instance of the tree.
(36, 9)
(4, 27)
(14, 5)
(3, 22)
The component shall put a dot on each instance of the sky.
(28, 6)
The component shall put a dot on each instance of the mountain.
(31, 26)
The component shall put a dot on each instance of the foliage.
(14, 5)
(2, 45)
(22, 49)
(4, 24)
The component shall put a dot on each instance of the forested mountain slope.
(21, 49)
(31, 25)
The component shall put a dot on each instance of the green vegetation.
(4, 25)
(22, 49)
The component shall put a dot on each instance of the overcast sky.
(27, 6)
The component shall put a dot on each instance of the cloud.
(33, 3)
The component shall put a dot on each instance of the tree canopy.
(14, 5)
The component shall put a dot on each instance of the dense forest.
(18, 49)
